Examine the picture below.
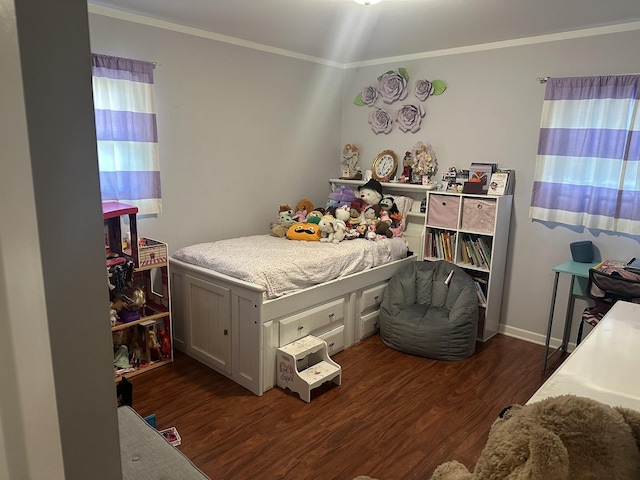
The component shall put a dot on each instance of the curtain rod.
(542, 80)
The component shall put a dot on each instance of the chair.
(430, 309)
(608, 284)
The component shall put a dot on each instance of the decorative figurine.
(350, 168)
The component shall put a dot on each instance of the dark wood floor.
(395, 416)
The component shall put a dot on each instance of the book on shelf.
(482, 297)
(501, 182)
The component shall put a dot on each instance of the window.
(126, 132)
(588, 154)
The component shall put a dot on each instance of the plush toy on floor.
(558, 438)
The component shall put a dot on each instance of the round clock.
(384, 165)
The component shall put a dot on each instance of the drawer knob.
(331, 315)
(332, 344)
(479, 206)
(444, 204)
(300, 327)
(376, 297)
(225, 331)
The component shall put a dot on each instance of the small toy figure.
(165, 343)
(153, 346)
(406, 164)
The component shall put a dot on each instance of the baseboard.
(532, 337)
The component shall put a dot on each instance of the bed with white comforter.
(284, 266)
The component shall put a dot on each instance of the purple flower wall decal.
(422, 89)
(380, 121)
(409, 118)
(369, 95)
(392, 86)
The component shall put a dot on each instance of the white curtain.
(126, 132)
(588, 154)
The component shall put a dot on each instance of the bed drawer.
(370, 324)
(306, 323)
(334, 339)
(443, 211)
(372, 297)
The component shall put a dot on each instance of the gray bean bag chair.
(421, 315)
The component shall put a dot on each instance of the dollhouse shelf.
(153, 279)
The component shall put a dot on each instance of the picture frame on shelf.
(481, 173)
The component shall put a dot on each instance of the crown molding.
(555, 37)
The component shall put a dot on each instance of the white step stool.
(305, 364)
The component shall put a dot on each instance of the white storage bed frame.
(228, 325)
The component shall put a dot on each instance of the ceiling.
(344, 32)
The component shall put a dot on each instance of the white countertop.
(605, 364)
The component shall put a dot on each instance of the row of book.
(481, 288)
(502, 182)
(476, 250)
(440, 244)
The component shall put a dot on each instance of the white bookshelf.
(463, 217)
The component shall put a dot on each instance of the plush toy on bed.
(331, 230)
(356, 213)
(315, 215)
(558, 438)
(279, 228)
(371, 192)
(304, 231)
(303, 208)
(397, 225)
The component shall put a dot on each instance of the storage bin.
(443, 211)
(478, 215)
(151, 252)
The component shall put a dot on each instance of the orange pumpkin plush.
(304, 231)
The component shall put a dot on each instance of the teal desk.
(578, 288)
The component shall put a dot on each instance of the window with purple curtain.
(126, 131)
(588, 154)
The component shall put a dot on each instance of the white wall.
(490, 112)
(241, 131)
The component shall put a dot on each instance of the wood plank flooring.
(395, 416)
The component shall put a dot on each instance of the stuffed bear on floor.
(558, 438)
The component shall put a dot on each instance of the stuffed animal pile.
(369, 215)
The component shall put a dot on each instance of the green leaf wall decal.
(438, 87)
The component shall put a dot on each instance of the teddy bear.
(371, 192)
(303, 208)
(331, 230)
(558, 438)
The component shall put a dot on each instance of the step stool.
(305, 364)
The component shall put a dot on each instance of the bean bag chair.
(423, 314)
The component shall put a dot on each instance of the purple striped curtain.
(588, 154)
(126, 131)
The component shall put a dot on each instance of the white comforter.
(283, 266)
